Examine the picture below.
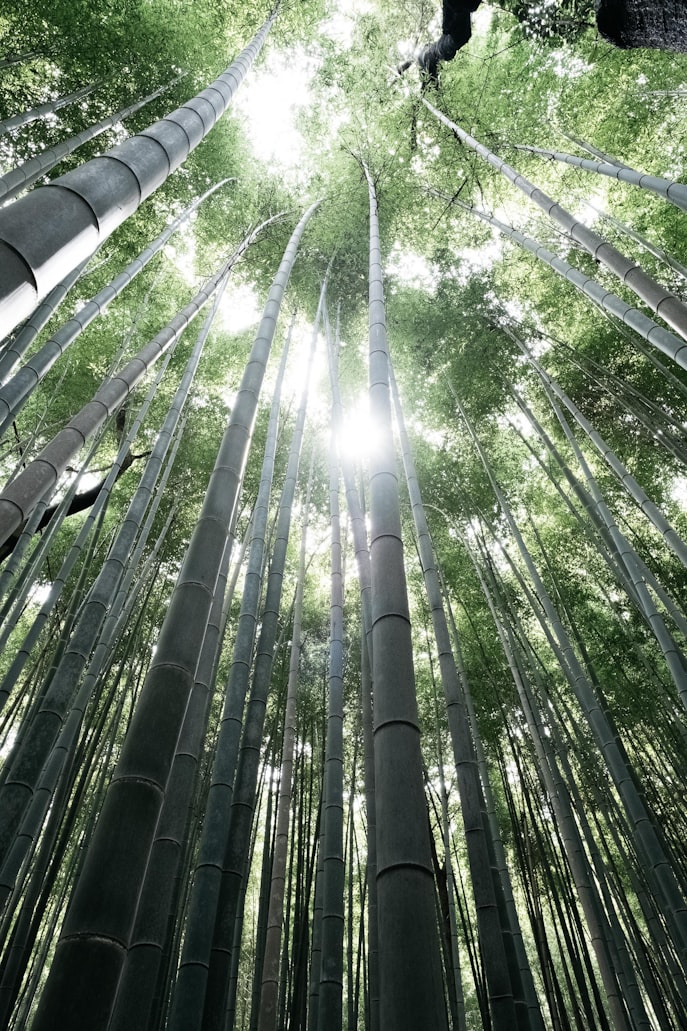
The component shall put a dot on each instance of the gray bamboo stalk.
(48, 108)
(41, 475)
(411, 988)
(39, 553)
(656, 863)
(204, 893)
(647, 244)
(330, 1010)
(472, 806)
(362, 557)
(189, 989)
(667, 305)
(102, 604)
(674, 192)
(229, 918)
(18, 592)
(452, 960)
(656, 335)
(102, 910)
(27, 55)
(79, 210)
(535, 1015)
(607, 550)
(134, 1008)
(26, 174)
(14, 393)
(269, 996)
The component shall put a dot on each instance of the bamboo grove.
(344, 648)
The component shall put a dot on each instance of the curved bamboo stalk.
(23, 339)
(644, 242)
(634, 489)
(41, 476)
(79, 210)
(671, 309)
(17, 793)
(411, 991)
(656, 862)
(676, 193)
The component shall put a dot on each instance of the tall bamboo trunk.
(410, 977)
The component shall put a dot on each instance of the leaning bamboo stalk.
(676, 193)
(42, 474)
(99, 606)
(48, 108)
(633, 488)
(22, 340)
(650, 846)
(473, 808)
(14, 393)
(647, 244)
(139, 985)
(229, 917)
(269, 997)
(204, 890)
(660, 338)
(79, 210)
(671, 309)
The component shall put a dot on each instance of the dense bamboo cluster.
(332, 739)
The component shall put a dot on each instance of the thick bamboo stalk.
(41, 476)
(411, 989)
(56, 227)
(14, 393)
(660, 338)
(25, 175)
